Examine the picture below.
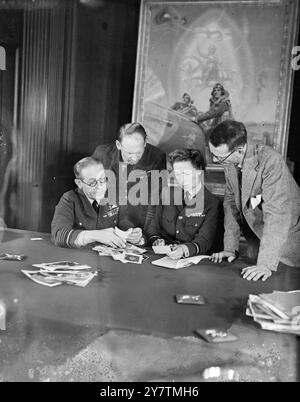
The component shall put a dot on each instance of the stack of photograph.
(276, 311)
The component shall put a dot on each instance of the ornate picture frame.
(186, 48)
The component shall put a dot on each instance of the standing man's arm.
(232, 220)
(232, 226)
(276, 208)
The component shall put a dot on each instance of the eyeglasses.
(94, 182)
(222, 160)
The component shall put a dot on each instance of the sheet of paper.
(161, 249)
(171, 263)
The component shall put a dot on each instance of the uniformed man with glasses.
(84, 216)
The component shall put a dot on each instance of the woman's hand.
(159, 242)
(218, 257)
(177, 252)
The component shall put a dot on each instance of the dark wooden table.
(127, 321)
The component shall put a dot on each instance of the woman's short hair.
(187, 154)
(230, 132)
(131, 128)
(83, 163)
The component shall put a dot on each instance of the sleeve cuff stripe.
(68, 237)
(151, 237)
(61, 236)
(197, 247)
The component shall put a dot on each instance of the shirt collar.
(193, 192)
(240, 165)
(90, 200)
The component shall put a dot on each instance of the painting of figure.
(202, 62)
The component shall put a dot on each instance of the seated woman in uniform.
(84, 216)
(188, 215)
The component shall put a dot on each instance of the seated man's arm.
(62, 232)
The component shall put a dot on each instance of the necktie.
(187, 198)
(239, 174)
(96, 206)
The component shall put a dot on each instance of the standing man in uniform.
(131, 154)
(261, 198)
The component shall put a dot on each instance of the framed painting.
(201, 62)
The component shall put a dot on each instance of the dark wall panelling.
(106, 39)
(41, 113)
(294, 132)
(103, 69)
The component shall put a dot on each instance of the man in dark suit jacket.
(260, 194)
(133, 161)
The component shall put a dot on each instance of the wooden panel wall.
(104, 64)
(106, 40)
(43, 113)
(76, 86)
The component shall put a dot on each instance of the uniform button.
(177, 231)
(180, 217)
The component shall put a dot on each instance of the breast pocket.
(193, 224)
(111, 212)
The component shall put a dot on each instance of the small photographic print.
(190, 299)
(52, 266)
(133, 258)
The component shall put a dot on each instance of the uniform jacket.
(269, 200)
(152, 159)
(74, 213)
(195, 227)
